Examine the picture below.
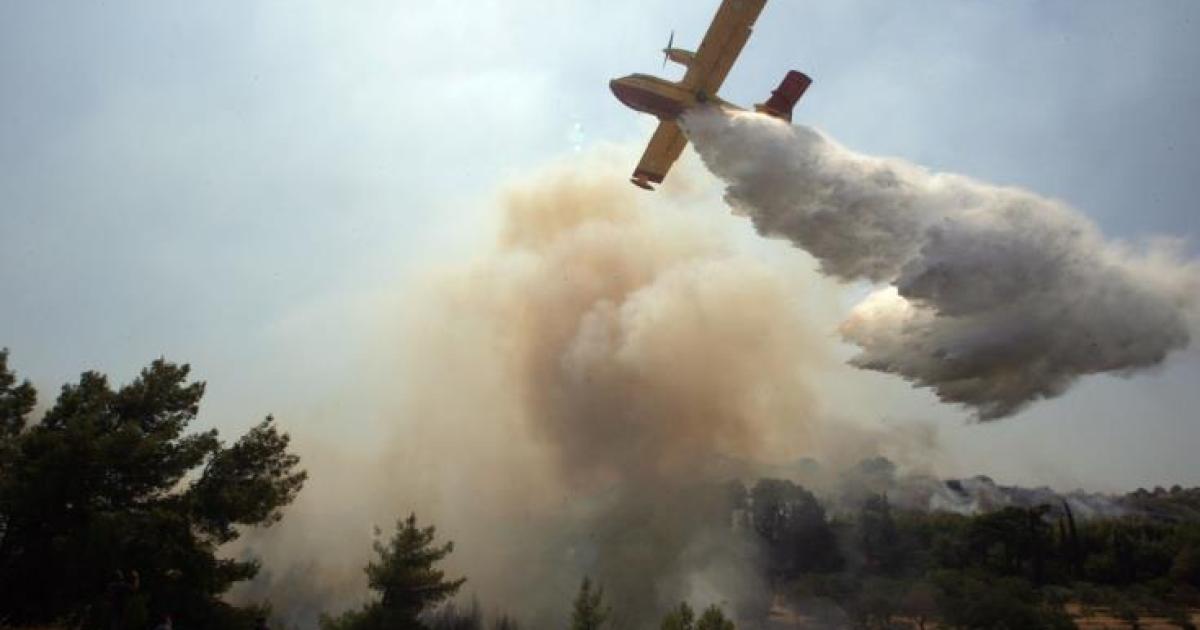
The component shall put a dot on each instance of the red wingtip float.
(706, 71)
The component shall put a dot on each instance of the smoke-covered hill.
(845, 491)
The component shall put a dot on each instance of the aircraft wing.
(722, 44)
(665, 146)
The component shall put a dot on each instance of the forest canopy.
(108, 501)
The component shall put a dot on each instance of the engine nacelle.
(784, 97)
(680, 56)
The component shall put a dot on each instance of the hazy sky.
(233, 184)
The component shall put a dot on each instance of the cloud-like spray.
(997, 297)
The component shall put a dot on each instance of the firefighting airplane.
(706, 70)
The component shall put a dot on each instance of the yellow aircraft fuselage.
(706, 71)
(659, 97)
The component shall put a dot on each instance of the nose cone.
(622, 90)
(648, 95)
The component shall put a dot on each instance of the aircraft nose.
(620, 90)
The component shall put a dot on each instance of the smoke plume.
(573, 399)
(996, 297)
(570, 400)
(625, 347)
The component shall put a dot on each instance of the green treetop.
(589, 611)
(407, 582)
(109, 481)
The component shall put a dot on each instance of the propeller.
(667, 50)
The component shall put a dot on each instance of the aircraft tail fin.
(784, 97)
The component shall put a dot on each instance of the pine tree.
(878, 536)
(16, 400)
(589, 612)
(681, 618)
(714, 619)
(405, 579)
(112, 479)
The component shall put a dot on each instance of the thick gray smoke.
(570, 397)
(584, 377)
(569, 401)
(997, 297)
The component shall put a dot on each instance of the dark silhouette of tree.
(452, 617)
(1036, 541)
(110, 480)
(682, 618)
(878, 537)
(16, 400)
(589, 612)
(408, 584)
(1011, 541)
(1185, 566)
(1070, 533)
(714, 619)
(792, 524)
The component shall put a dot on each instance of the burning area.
(601, 393)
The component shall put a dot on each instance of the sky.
(239, 186)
